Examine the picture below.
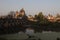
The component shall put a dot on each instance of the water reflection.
(45, 35)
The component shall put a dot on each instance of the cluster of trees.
(44, 24)
(11, 25)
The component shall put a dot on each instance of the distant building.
(2, 17)
(31, 18)
(17, 13)
(58, 19)
(10, 15)
(51, 18)
(20, 14)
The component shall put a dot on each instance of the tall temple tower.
(17, 13)
(22, 12)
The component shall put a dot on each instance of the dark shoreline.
(12, 25)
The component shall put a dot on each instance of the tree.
(40, 16)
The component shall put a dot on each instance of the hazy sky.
(31, 6)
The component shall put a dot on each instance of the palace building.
(19, 14)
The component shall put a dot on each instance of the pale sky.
(30, 6)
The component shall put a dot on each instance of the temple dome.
(22, 10)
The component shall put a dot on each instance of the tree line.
(11, 25)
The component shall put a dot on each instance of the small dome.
(22, 10)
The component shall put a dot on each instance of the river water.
(48, 35)
(43, 36)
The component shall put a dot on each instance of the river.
(43, 36)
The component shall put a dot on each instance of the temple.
(20, 14)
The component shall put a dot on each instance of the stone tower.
(22, 12)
